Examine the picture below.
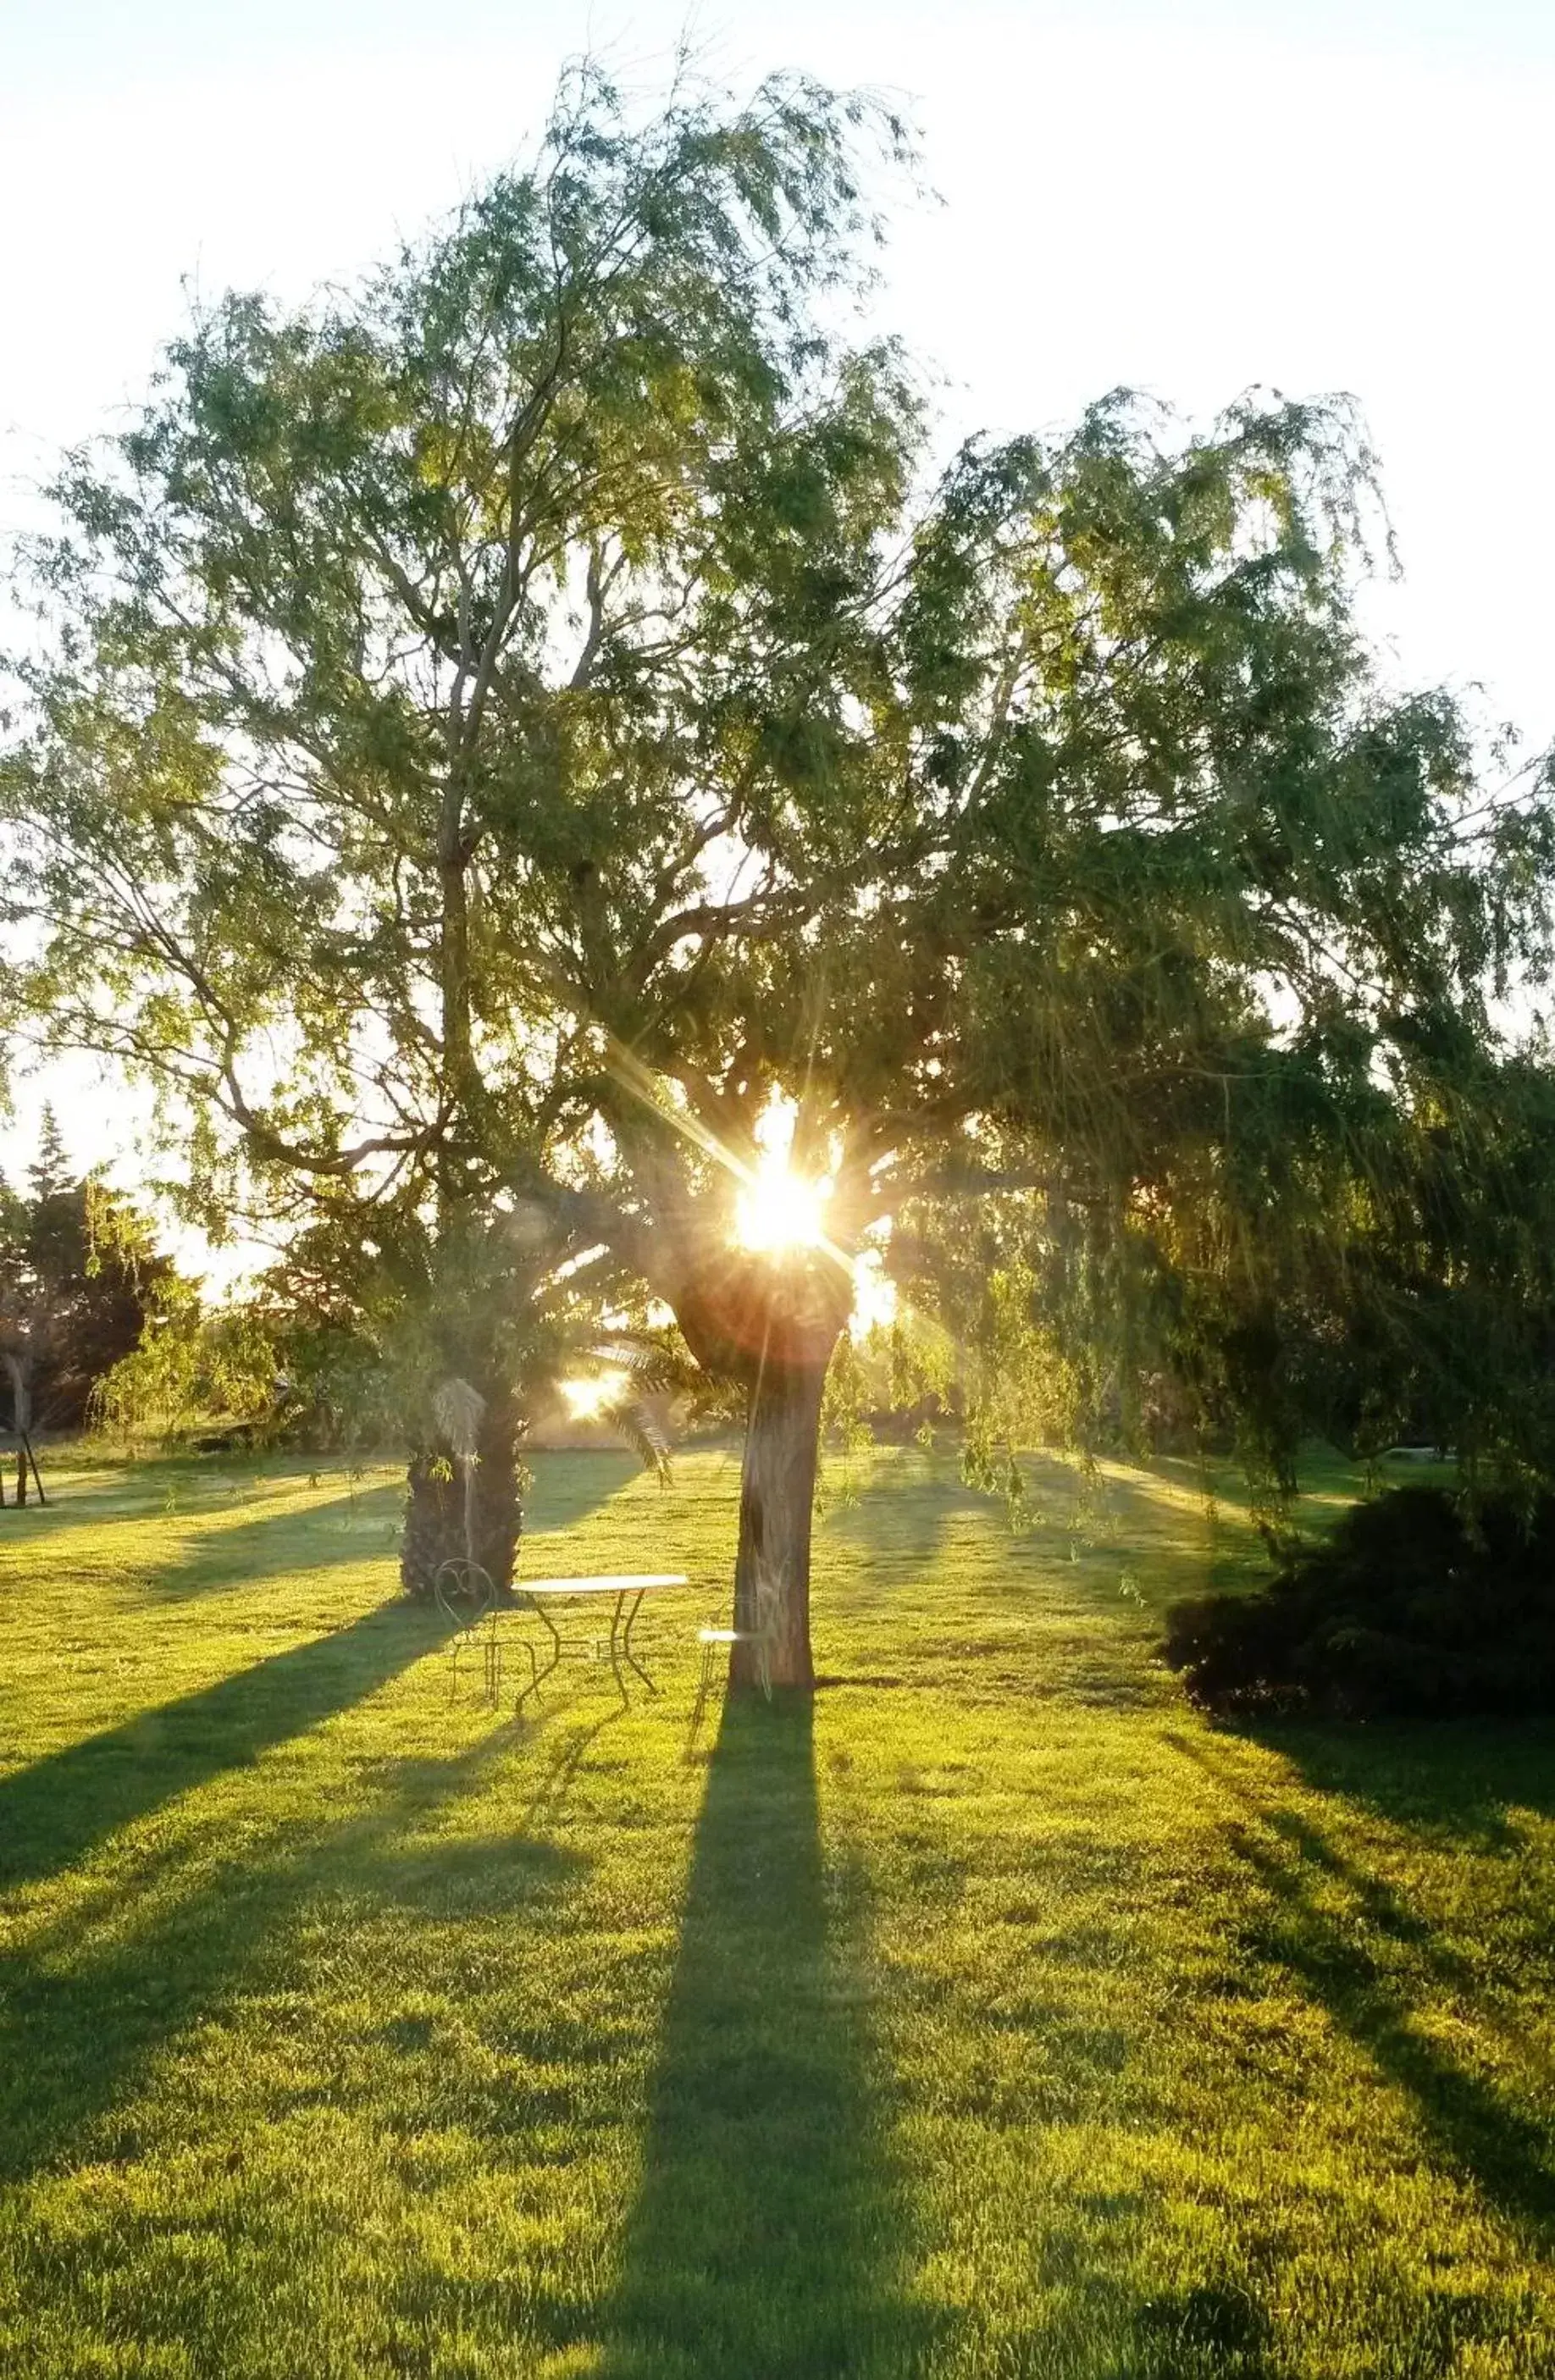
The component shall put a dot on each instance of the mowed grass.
(997, 2017)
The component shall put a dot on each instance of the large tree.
(508, 728)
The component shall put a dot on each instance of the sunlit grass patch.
(998, 2017)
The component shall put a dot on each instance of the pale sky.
(1186, 198)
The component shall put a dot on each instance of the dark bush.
(1414, 1606)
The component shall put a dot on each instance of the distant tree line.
(79, 1276)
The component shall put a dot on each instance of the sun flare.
(778, 1209)
(587, 1397)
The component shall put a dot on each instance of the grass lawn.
(1000, 2019)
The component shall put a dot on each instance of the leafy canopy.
(506, 724)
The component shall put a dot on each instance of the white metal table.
(627, 1589)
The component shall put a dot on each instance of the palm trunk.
(454, 1518)
(777, 1502)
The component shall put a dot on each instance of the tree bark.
(21, 1414)
(771, 1326)
(777, 1503)
(435, 1508)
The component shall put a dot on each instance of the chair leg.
(703, 1682)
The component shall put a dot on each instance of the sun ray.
(589, 1396)
(778, 1209)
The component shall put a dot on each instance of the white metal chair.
(714, 1640)
(467, 1596)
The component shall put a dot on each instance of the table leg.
(539, 1675)
(616, 1647)
(533, 1687)
(626, 1642)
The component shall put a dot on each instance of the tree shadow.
(29, 1530)
(76, 2030)
(357, 1527)
(52, 1813)
(900, 1519)
(133, 1490)
(768, 2238)
(214, 1489)
(1452, 1780)
(1370, 1967)
(362, 1525)
(568, 1486)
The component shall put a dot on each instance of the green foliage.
(50, 1173)
(348, 1339)
(1213, 960)
(507, 723)
(197, 1369)
(81, 1280)
(1416, 1605)
(522, 571)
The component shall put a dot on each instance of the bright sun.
(779, 1209)
(587, 1397)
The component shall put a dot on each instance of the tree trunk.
(435, 1508)
(18, 1368)
(770, 1324)
(777, 1501)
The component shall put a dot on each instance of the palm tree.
(464, 1497)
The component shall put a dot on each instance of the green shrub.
(1415, 1607)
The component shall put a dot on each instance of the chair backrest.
(464, 1592)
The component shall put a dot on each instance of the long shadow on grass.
(1358, 1966)
(902, 1513)
(71, 1502)
(359, 1527)
(568, 1486)
(171, 1490)
(1452, 1780)
(768, 2236)
(234, 1552)
(226, 1545)
(63, 1806)
(79, 2031)
(1504, 2153)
